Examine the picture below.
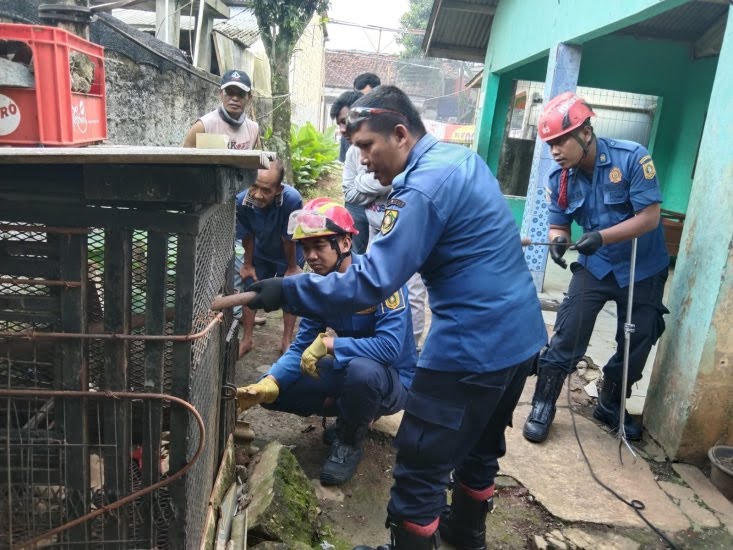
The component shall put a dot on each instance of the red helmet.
(563, 114)
(321, 217)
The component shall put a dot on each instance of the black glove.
(588, 243)
(269, 294)
(557, 251)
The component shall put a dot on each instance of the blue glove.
(269, 294)
(588, 243)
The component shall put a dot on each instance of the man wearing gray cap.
(229, 118)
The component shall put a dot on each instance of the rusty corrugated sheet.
(459, 33)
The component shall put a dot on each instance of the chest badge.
(390, 217)
(615, 176)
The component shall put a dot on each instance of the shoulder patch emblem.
(389, 220)
(649, 170)
(395, 202)
(395, 302)
(615, 176)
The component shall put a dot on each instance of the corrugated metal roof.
(459, 29)
(685, 23)
(241, 28)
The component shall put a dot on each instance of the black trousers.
(452, 421)
(577, 316)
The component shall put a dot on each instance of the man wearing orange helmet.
(359, 375)
(609, 187)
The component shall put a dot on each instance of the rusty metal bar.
(38, 335)
(39, 282)
(137, 494)
(239, 299)
(20, 228)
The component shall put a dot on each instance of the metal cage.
(111, 362)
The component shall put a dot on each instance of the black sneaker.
(341, 463)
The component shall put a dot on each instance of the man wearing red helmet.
(609, 187)
(362, 373)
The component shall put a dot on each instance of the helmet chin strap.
(583, 145)
(341, 255)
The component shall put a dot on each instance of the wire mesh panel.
(104, 324)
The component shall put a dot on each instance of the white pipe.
(199, 25)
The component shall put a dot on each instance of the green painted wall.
(624, 63)
(689, 404)
(498, 94)
(526, 30)
(666, 69)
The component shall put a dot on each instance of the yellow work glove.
(312, 354)
(264, 391)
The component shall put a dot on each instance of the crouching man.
(358, 376)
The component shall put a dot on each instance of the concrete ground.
(548, 497)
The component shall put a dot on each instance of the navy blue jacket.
(624, 182)
(382, 333)
(447, 219)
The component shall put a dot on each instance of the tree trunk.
(281, 109)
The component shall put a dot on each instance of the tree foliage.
(281, 23)
(416, 17)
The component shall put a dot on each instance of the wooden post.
(155, 295)
(117, 298)
(74, 376)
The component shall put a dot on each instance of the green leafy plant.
(313, 154)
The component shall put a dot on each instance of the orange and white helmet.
(321, 217)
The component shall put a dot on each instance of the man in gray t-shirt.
(230, 117)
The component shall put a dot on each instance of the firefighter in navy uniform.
(446, 219)
(360, 375)
(609, 187)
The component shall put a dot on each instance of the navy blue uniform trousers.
(577, 315)
(363, 391)
(453, 421)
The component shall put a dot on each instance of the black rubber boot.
(330, 434)
(463, 523)
(608, 410)
(345, 455)
(549, 386)
(402, 539)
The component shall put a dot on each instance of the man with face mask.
(610, 188)
(230, 118)
(362, 373)
(447, 220)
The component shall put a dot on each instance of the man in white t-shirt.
(230, 117)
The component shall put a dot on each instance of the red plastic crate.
(50, 113)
